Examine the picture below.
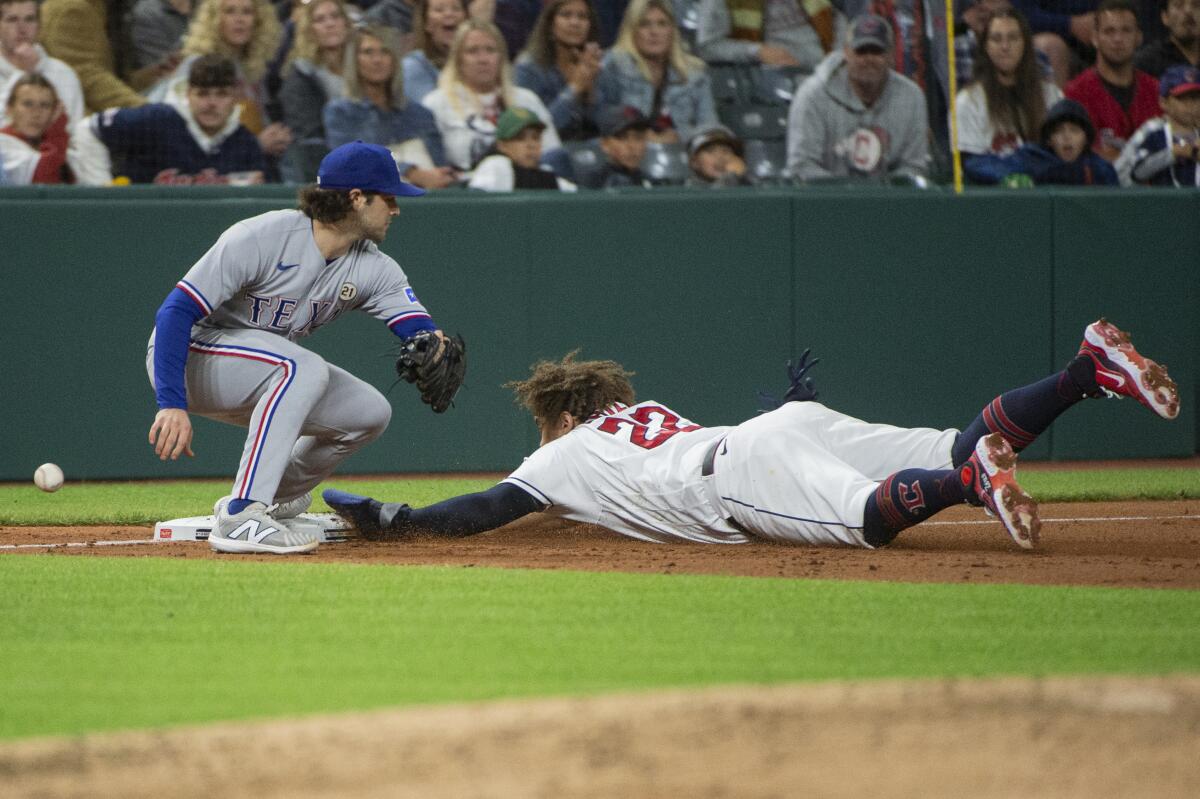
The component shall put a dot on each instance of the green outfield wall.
(922, 306)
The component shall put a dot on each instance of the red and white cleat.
(1124, 372)
(991, 473)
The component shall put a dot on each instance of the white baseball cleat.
(991, 473)
(255, 531)
(1124, 372)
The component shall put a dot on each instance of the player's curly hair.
(204, 37)
(578, 387)
(325, 205)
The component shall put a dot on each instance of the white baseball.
(48, 477)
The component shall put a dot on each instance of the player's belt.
(710, 457)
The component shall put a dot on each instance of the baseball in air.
(48, 477)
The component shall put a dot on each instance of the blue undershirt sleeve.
(408, 328)
(172, 331)
(464, 515)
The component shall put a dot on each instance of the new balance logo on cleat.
(250, 530)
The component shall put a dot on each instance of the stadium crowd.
(500, 95)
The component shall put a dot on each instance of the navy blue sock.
(235, 506)
(907, 497)
(1021, 415)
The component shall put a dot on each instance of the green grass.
(107, 643)
(1112, 484)
(147, 502)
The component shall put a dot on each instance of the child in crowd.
(518, 149)
(1165, 150)
(1062, 155)
(623, 132)
(715, 156)
(33, 146)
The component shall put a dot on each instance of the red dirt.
(1127, 544)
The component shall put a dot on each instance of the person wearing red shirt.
(33, 147)
(1117, 96)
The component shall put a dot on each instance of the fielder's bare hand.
(171, 434)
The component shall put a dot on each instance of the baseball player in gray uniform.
(802, 473)
(224, 345)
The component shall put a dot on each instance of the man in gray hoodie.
(857, 117)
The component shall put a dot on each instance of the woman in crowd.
(375, 110)
(474, 89)
(33, 146)
(648, 69)
(560, 65)
(1006, 104)
(313, 78)
(434, 23)
(248, 32)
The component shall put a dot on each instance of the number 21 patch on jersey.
(348, 291)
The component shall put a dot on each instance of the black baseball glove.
(802, 388)
(436, 365)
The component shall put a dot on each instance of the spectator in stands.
(561, 63)
(623, 131)
(516, 20)
(314, 77)
(1062, 156)
(20, 54)
(1118, 97)
(1166, 150)
(198, 142)
(857, 117)
(647, 68)
(783, 33)
(515, 158)
(473, 91)
(435, 22)
(248, 33)
(1062, 31)
(76, 31)
(156, 30)
(34, 143)
(376, 111)
(396, 14)
(1007, 103)
(716, 158)
(1181, 45)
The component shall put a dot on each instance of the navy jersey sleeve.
(464, 515)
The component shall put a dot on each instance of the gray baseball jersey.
(263, 285)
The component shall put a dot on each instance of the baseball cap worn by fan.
(869, 30)
(515, 120)
(1179, 79)
(614, 120)
(712, 135)
(366, 167)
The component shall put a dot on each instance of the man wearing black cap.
(224, 345)
(623, 143)
(857, 117)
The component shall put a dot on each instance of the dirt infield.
(1128, 544)
(1095, 737)
(1086, 737)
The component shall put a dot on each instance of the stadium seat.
(586, 158)
(666, 164)
(756, 121)
(731, 83)
(776, 85)
(766, 160)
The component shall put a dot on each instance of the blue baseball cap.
(367, 167)
(1179, 79)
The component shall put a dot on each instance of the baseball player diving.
(802, 473)
(224, 346)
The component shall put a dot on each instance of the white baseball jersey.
(266, 273)
(633, 469)
(978, 134)
(801, 473)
